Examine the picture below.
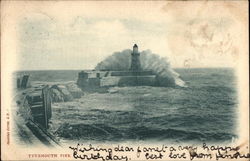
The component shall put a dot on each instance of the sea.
(204, 111)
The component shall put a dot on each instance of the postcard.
(124, 80)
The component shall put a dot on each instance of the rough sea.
(205, 111)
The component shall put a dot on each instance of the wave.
(166, 76)
(104, 132)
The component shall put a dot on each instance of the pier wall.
(131, 73)
(109, 81)
(149, 80)
(97, 79)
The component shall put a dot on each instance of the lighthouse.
(135, 76)
(135, 59)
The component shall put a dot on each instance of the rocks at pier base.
(56, 95)
(65, 93)
(74, 90)
(60, 92)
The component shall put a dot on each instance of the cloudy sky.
(64, 35)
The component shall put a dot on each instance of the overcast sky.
(63, 35)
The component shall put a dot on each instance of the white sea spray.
(166, 76)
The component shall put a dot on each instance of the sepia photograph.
(119, 80)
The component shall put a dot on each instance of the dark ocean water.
(205, 111)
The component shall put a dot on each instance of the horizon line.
(114, 70)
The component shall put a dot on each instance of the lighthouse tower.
(135, 59)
